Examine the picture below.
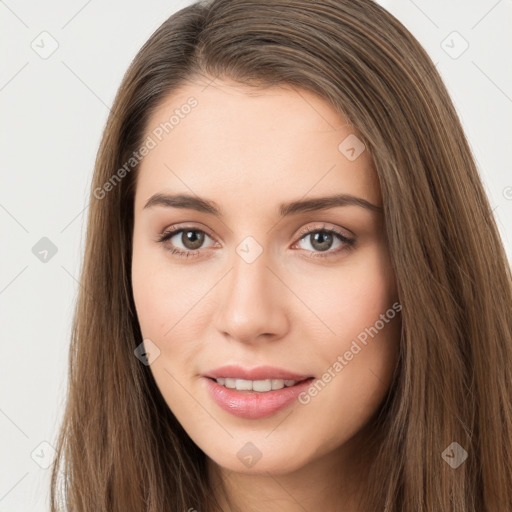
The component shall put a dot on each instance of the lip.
(253, 404)
(234, 371)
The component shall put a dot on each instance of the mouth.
(255, 399)
(257, 386)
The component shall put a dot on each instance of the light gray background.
(54, 110)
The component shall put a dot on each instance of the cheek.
(164, 302)
(169, 302)
(159, 295)
(361, 310)
(352, 297)
(154, 292)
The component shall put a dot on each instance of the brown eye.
(188, 244)
(192, 239)
(322, 240)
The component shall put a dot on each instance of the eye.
(321, 241)
(191, 239)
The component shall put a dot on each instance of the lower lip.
(254, 404)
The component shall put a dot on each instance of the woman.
(294, 294)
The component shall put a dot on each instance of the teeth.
(255, 385)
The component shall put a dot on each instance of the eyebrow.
(191, 202)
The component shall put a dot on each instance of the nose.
(252, 302)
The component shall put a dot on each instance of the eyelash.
(349, 243)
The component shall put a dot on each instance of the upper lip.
(259, 373)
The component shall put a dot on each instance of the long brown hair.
(120, 447)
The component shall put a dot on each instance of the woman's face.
(258, 279)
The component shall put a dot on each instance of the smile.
(260, 386)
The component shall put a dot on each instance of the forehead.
(274, 143)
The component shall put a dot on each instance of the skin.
(249, 150)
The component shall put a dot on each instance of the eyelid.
(175, 228)
(324, 227)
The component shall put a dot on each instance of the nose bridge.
(250, 275)
(249, 305)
